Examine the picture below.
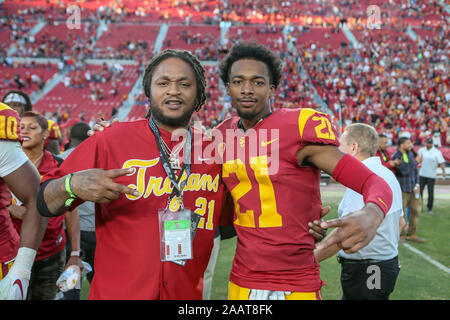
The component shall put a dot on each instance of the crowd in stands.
(83, 75)
(204, 42)
(53, 41)
(28, 76)
(390, 81)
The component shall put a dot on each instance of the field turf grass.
(418, 278)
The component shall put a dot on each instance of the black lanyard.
(177, 189)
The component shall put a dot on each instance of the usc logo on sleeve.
(320, 122)
(9, 124)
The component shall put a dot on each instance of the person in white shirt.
(371, 272)
(431, 158)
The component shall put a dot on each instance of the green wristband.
(69, 191)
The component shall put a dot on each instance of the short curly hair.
(187, 57)
(41, 120)
(255, 51)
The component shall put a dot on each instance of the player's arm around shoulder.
(357, 229)
(325, 157)
(101, 125)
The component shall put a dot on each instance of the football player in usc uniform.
(50, 257)
(54, 139)
(17, 174)
(271, 165)
(20, 101)
(130, 186)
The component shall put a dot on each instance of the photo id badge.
(175, 234)
(195, 218)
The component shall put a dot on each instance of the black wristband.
(41, 205)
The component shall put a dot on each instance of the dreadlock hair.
(27, 106)
(187, 57)
(255, 51)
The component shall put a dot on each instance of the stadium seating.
(25, 73)
(322, 36)
(392, 81)
(122, 41)
(267, 35)
(201, 39)
(77, 100)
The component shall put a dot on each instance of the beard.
(252, 114)
(247, 115)
(176, 122)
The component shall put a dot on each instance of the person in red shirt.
(129, 262)
(384, 156)
(54, 139)
(50, 258)
(272, 164)
(17, 174)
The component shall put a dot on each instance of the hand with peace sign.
(96, 185)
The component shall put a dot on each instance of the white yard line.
(430, 260)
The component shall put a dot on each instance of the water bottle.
(68, 279)
(417, 191)
(86, 268)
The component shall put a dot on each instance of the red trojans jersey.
(53, 129)
(127, 257)
(9, 238)
(275, 198)
(54, 132)
(54, 238)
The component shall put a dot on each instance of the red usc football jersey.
(9, 238)
(54, 132)
(127, 257)
(53, 129)
(9, 124)
(54, 238)
(275, 198)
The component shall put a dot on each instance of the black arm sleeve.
(41, 205)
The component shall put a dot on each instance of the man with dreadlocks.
(139, 182)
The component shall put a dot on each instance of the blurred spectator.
(383, 155)
(407, 176)
(86, 211)
(431, 158)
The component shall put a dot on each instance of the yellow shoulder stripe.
(303, 117)
(5, 107)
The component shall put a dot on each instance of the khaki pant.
(415, 205)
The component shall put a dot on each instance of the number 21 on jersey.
(269, 216)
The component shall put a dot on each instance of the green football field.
(419, 279)
(425, 267)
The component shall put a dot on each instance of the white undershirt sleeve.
(12, 157)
